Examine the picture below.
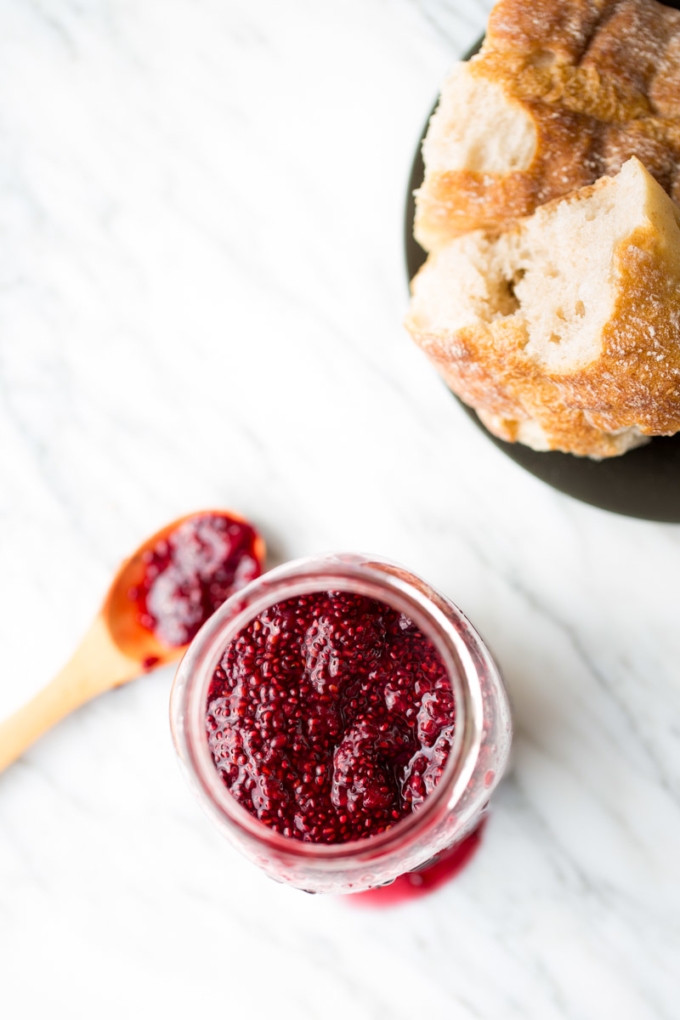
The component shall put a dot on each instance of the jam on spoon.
(191, 571)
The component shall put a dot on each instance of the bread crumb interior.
(476, 127)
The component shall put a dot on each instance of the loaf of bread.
(563, 332)
(562, 93)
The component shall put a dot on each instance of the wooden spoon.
(116, 648)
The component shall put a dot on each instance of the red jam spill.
(191, 572)
(442, 869)
(330, 717)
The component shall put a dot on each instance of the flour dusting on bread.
(562, 93)
(550, 301)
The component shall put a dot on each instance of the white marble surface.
(201, 290)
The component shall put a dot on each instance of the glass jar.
(476, 761)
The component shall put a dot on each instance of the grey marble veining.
(201, 294)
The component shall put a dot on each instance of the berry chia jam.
(191, 571)
(330, 717)
(343, 723)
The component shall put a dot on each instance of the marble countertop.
(201, 295)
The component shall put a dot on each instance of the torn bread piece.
(562, 93)
(564, 332)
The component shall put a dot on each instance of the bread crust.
(600, 80)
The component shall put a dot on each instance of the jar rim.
(374, 577)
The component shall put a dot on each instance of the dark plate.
(643, 483)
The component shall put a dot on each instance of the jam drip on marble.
(330, 717)
(192, 571)
(431, 876)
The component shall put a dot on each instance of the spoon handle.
(96, 666)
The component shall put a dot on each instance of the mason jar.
(476, 761)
